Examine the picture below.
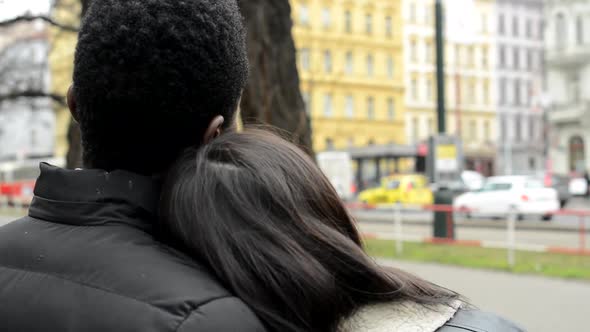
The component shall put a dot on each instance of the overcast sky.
(12, 8)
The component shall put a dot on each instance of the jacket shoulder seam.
(196, 310)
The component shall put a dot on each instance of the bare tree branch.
(34, 94)
(47, 19)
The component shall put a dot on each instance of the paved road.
(536, 303)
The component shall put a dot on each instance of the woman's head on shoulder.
(258, 211)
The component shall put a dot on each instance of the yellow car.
(405, 189)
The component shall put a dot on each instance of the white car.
(503, 195)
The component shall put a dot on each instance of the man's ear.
(214, 129)
(71, 100)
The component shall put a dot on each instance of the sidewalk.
(537, 304)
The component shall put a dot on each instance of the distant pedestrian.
(262, 216)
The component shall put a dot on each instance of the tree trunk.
(273, 95)
(74, 156)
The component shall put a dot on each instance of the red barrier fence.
(511, 227)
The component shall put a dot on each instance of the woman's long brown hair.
(262, 216)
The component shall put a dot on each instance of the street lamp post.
(441, 227)
(440, 73)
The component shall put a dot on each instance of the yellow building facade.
(61, 59)
(350, 61)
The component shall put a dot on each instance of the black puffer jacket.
(85, 259)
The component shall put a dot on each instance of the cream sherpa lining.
(400, 317)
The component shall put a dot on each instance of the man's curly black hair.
(149, 76)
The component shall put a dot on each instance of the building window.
(430, 126)
(484, 23)
(413, 51)
(390, 67)
(428, 11)
(487, 131)
(390, 109)
(502, 91)
(580, 30)
(457, 55)
(305, 58)
(560, 31)
(515, 28)
(428, 50)
(304, 15)
(307, 101)
(503, 127)
(388, 26)
(349, 63)
(428, 89)
(484, 57)
(529, 59)
(516, 58)
(347, 21)
(415, 130)
(371, 108)
(328, 106)
(502, 56)
(326, 18)
(349, 107)
(329, 144)
(414, 89)
(486, 92)
(574, 88)
(369, 23)
(327, 61)
(472, 93)
(529, 28)
(370, 66)
(529, 93)
(541, 30)
(517, 93)
(470, 56)
(501, 25)
(518, 127)
(413, 12)
(472, 130)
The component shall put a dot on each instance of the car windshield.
(534, 184)
(495, 186)
(392, 184)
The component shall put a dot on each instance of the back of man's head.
(150, 75)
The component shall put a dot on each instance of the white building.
(568, 83)
(470, 57)
(27, 125)
(520, 71)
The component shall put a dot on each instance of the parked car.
(503, 195)
(406, 189)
